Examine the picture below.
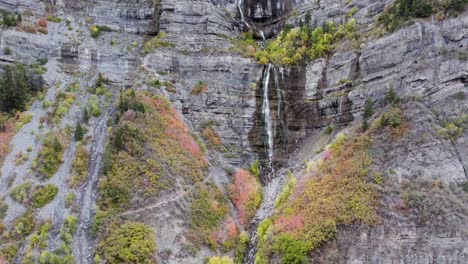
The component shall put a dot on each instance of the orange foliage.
(228, 230)
(5, 138)
(177, 130)
(42, 22)
(289, 223)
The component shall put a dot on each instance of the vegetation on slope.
(246, 194)
(334, 191)
(401, 11)
(50, 156)
(129, 242)
(149, 141)
(298, 45)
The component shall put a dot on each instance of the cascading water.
(266, 112)
(239, 6)
(263, 35)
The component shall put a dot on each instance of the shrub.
(130, 242)
(42, 22)
(212, 137)
(391, 97)
(79, 133)
(7, 51)
(334, 192)
(14, 89)
(20, 193)
(54, 19)
(246, 194)
(79, 167)
(157, 42)
(24, 225)
(286, 191)
(94, 31)
(218, 260)
(207, 211)
(43, 195)
(50, 156)
(69, 199)
(454, 128)
(199, 88)
(8, 252)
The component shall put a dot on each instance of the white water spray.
(263, 35)
(239, 6)
(266, 112)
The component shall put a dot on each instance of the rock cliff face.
(196, 66)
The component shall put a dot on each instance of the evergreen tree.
(368, 108)
(56, 145)
(79, 133)
(85, 115)
(13, 89)
(118, 141)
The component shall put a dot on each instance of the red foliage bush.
(5, 138)
(42, 22)
(245, 193)
(289, 223)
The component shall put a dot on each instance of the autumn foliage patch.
(333, 192)
(245, 192)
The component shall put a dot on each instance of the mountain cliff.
(233, 131)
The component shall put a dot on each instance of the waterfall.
(263, 35)
(239, 6)
(266, 112)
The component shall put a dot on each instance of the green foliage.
(286, 191)
(7, 51)
(79, 133)
(85, 115)
(3, 210)
(391, 97)
(156, 43)
(222, 260)
(255, 169)
(404, 10)
(9, 252)
(454, 128)
(392, 118)
(337, 194)
(245, 45)
(20, 193)
(308, 42)
(43, 195)
(68, 228)
(94, 106)
(24, 225)
(368, 112)
(9, 19)
(199, 88)
(47, 257)
(79, 167)
(14, 90)
(291, 250)
(69, 199)
(54, 19)
(242, 244)
(207, 210)
(50, 156)
(130, 242)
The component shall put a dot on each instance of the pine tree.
(78, 132)
(368, 108)
(118, 141)
(13, 89)
(85, 115)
